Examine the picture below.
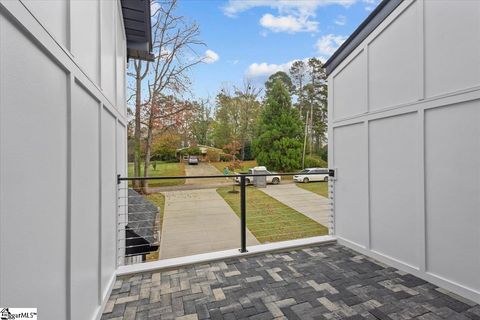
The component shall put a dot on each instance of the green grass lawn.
(157, 199)
(270, 220)
(320, 188)
(163, 169)
(245, 165)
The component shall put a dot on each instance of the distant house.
(183, 153)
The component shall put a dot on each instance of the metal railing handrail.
(243, 183)
(241, 174)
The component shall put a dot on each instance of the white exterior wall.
(405, 139)
(62, 132)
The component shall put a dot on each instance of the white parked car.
(193, 160)
(305, 176)
(258, 170)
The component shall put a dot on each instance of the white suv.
(259, 170)
(305, 176)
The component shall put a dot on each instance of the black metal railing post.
(243, 215)
(123, 210)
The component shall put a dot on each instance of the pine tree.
(281, 76)
(279, 141)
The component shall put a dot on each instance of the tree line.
(277, 124)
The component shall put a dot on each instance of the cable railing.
(161, 223)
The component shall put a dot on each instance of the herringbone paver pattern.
(322, 282)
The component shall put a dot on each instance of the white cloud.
(292, 15)
(370, 4)
(235, 7)
(340, 20)
(288, 23)
(329, 43)
(264, 69)
(258, 70)
(155, 6)
(210, 56)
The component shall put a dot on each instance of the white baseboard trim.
(220, 255)
(106, 297)
(463, 291)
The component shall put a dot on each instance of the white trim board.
(456, 288)
(113, 279)
(220, 255)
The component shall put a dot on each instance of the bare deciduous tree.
(140, 73)
(175, 44)
(249, 110)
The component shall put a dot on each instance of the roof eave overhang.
(137, 22)
(140, 54)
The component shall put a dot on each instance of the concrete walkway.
(308, 203)
(198, 221)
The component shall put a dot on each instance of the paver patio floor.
(308, 203)
(198, 221)
(320, 282)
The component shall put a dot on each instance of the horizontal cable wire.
(123, 197)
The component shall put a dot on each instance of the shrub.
(164, 147)
(193, 151)
(248, 152)
(312, 162)
(225, 157)
(213, 155)
(324, 153)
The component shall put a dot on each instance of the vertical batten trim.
(100, 109)
(369, 224)
(117, 195)
(115, 54)
(1, 193)
(422, 48)
(69, 27)
(367, 74)
(70, 82)
(99, 67)
(422, 213)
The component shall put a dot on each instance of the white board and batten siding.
(404, 116)
(62, 143)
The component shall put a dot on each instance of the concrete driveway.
(203, 169)
(199, 221)
(308, 203)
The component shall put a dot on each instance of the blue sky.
(250, 39)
